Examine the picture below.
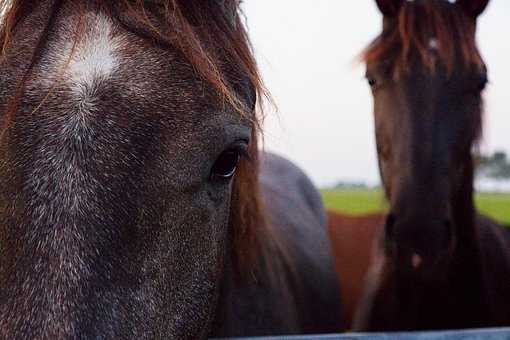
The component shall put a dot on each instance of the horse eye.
(371, 81)
(482, 84)
(226, 164)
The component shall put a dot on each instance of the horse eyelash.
(245, 154)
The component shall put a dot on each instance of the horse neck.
(464, 212)
(467, 257)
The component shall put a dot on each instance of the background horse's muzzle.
(419, 247)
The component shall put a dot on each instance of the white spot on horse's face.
(433, 44)
(416, 261)
(81, 67)
(94, 58)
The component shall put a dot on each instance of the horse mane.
(408, 34)
(189, 26)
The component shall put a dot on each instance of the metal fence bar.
(474, 334)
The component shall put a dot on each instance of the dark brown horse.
(130, 202)
(437, 264)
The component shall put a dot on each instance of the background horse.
(352, 239)
(130, 204)
(437, 263)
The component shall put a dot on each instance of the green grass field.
(361, 201)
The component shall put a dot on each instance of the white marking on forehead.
(433, 44)
(94, 58)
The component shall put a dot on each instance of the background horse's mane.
(188, 26)
(410, 32)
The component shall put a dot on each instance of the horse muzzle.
(420, 247)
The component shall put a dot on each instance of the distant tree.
(496, 166)
(350, 185)
(499, 157)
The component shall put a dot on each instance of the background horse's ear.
(473, 7)
(389, 8)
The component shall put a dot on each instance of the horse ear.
(473, 7)
(389, 8)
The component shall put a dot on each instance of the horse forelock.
(434, 31)
(94, 48)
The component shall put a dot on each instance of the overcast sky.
(307, 54)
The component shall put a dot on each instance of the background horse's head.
(427, 79)
(122, 126)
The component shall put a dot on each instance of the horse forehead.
(89, 67)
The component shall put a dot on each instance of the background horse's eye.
(371, 81)
(226, 164)
(482, 83)
(479, 82)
